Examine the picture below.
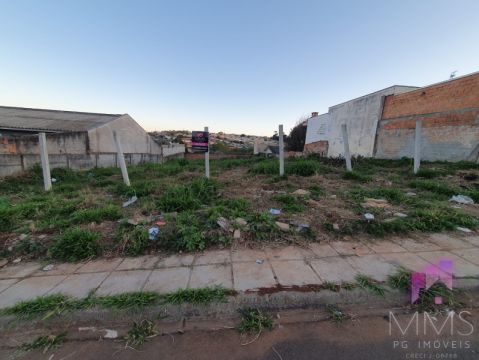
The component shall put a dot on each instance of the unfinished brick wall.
(449, 113)
(318, 147)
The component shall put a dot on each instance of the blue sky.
(237, 66)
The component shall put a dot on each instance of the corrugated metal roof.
(51, 120)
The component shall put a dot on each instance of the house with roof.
(78, 140)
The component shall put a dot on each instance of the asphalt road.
(365, 338)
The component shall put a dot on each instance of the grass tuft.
(370, 284)
(198, 296)
(140, 333)
(356, 176)
(75, 245)
(47, 343)
(254, 321)
(336, 315)
(401, 280)
(290, 203)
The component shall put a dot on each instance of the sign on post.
(199, 143)
(47, 180)
(281, 151)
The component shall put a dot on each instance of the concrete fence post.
(47, 180)
(347, 154)
(121, 159)
(417, 146)
(281, 151)
(207, 157)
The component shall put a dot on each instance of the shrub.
(428, 173)
(435, 187)
(133, 239)
(75, 245)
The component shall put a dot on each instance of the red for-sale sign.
(199, 141)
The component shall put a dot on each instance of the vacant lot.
(82, 217)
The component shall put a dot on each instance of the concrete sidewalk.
(242, 270)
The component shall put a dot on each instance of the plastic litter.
(369, 216)
(463, 229)
(130, 201)
(259, 261)
(153, 233)
(274, 211)
(223, 223)
(54, 180)
(48, 267)
(17, 260)
(462, 199)
(110, 334)
(400, 215)
(161, 223)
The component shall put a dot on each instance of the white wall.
(318, 128)
(134, 139)
(361, 116)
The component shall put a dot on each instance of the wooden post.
(255, 148)
(121, 159)
(207, 157)
(281, 151)
(417, 146)
(47, 180)
(347, 154)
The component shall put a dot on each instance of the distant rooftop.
(25, 119)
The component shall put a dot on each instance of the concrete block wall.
(449, 113)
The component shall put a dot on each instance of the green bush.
(301, 167)
(75, 245)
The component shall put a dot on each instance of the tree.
(297, 136)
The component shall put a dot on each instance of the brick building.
(449, 112)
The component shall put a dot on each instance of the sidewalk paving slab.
(19, 270)
(474, 240)
(79, 285)
(448, 242)
(334, 269)
(409, 261)
(385, 246)
(372, 265)
(175, 260)
(322, 250)
(287, 253)
(213, 257)
(28, 289)
(251, 276)
(137, 263)
(350, 248)
(294, 272)
(462, 268)
(59, 269)
(168, 280)
(120, 282)
(100, 265)
(211, 275)
(248, 255)
(416, 246)
(5, 284)
(471, 255)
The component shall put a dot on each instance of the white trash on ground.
(462, 199)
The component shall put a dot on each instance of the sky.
(240, 66)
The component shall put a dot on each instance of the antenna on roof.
(453, 74)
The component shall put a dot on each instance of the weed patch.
(98, 215)
(198, 296)
(254, 321)
(427, 303)
(401, 280)
(188, 197)
(356, 176)
(128, 300)
(140, 333)
(371, 285)
(75, 245)
(290, 203)
(47, 343)
(336, 315)
(133, 240)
